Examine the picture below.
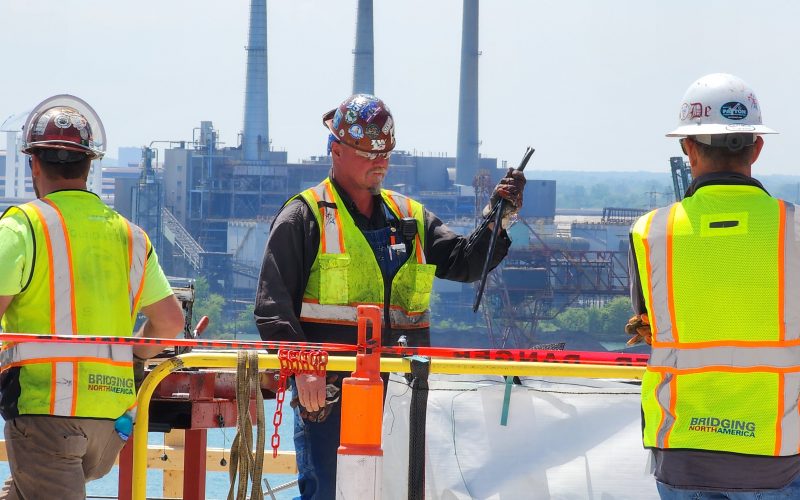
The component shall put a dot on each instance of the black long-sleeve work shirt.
(293, 245)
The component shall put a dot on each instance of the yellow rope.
(243, 462)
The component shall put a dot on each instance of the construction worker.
(347, 242)
(715, 283)
(70, 265)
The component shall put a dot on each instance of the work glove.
(639, 329)
(331, 393)
(510, 188)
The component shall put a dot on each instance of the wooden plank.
(283, 464)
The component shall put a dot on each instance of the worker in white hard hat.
(715, 285)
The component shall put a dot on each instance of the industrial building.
(208, 208)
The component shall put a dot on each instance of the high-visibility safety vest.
(86, 279)
(346, 274)
(720, 275)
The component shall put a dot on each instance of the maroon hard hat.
(57, 124)
(363, 122)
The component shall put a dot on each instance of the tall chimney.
(467, 158)
(364, 61)
(255, 137)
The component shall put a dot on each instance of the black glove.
(510, 188)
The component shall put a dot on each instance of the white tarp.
(564, 439)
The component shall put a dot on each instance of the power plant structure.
(209, 207)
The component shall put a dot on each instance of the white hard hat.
(719, 103)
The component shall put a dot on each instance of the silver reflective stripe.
(663, 395)
(63, 389)
(779, 356)
(401, 202)
(61, 297)
(138, 243)
(45, 352)
(791, 272)
(656, 239)
(335, 314)
(338, 314)
(330, 225)
(790, 420)
(401, 320)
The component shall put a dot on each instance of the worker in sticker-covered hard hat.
(715, 284)
(347, 242)
(70, 265)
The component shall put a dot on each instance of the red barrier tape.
(527, 355)
(536, 355)
(225, 344)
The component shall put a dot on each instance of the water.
(217, 483)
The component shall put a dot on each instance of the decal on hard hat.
(356, 132)
(372, 131)
(733, 111)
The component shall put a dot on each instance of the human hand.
(333, 393)
(639, 327)
(311, 391)
(510, 188)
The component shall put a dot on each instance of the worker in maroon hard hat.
(349, 241)
(70, 265)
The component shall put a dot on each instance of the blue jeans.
(791, 491)
(315, 445)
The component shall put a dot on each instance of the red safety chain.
(294, 362)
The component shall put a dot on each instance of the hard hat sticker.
(351, 116)
(62, 121)
(370, 111)
(41, 124)
(356, 132)
(378, 144)
(337, 118)
(738, 127)
(78, 121)
(388, 125)
(694, 110)
(357, 103)
(733, 110)
(372, 131)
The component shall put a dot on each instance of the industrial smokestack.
(364, 61)
(255, 137)
(467, 158)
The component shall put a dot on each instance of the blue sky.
(592, 85)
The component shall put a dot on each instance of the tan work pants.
(54, 457)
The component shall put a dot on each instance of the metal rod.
(342, 363)
(498, 216)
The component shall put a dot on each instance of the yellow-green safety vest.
(86, 279)
(720, 275)
(346, 274)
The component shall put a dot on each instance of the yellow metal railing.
(344, 364)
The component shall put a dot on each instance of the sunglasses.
(373, 156)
